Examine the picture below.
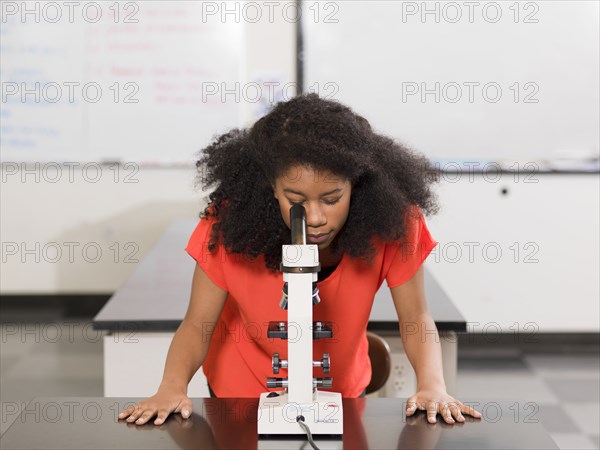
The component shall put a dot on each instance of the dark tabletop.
(369, 423)
(156, 295)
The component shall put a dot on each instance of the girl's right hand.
(164, 402)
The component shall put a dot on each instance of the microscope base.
(324, 416)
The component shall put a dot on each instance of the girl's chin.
(327, 244)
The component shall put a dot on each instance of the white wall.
(40, 216)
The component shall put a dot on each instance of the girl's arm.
(191, 341)
(186, 354)
(419, 334)
(421, 342)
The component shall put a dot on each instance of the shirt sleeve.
(411, 251)
(212, 263)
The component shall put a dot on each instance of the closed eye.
(327, 202)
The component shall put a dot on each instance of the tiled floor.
(561, 384)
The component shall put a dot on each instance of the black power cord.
(300, 420)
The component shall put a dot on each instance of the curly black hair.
(387, 178)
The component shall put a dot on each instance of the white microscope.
(300, 408)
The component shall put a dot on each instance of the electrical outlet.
(402, 381)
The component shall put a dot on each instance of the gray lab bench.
(229, 423)
(144, 313)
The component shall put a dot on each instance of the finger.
(432, 409)
(185, 407)
(162, 416)
(447, 413)
(411, 406)
(455, 409)
(127, 411)
(139, 409)
(470, 411)
(146, 415)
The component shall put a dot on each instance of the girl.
(363, 195)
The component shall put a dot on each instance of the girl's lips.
(317, 240)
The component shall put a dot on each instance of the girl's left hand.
(438, 401)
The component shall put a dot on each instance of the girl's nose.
(315, 218)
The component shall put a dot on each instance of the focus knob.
(326, 363)
(275, 363)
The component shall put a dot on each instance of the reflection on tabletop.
(232, 423)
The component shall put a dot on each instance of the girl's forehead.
(305, 175)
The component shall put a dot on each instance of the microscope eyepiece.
(298, 224)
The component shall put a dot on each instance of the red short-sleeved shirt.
(239, 358)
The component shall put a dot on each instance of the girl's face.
(325, 197)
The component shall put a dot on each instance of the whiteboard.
(129, 81)
(489, 81)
